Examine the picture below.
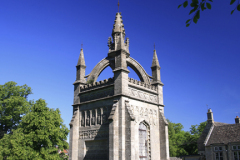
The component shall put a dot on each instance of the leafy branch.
(202, 5)
(237, 6)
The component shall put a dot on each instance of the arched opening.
(133, 64)
(133, 74)
(105, 74)
(144, 141)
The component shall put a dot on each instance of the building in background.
(220, 141)
(118, 118)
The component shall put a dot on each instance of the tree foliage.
(182, 142)
(37, 135)
(176, 139)
(13, 105)
(201, 5)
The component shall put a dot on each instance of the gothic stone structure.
(119, 118)
(220, 141)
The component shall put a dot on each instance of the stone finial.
(118, 42)
(127, 44)
(156, 77)
(80, 69)
(118, 25)
(155, 59)
(81, 60)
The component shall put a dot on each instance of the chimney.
(210, 116)
(237, 120)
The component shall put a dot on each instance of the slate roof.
(202, 138)
(201, 146)
(220, 124)
(224, 134)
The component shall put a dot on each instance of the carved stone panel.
(93, 134)
(150, 115)
(142, 95)
(96, 116)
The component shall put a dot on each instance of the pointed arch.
(144, 141)
(142, 74)
(97, 70)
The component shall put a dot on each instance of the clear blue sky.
(40, 42)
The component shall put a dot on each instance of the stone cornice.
(121, 69)
(82, 82)
(117, 96)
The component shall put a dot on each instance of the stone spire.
(81, 60)
(117, 41)
(156, 69)
(81, 68)
(118, 25)
(155, 59)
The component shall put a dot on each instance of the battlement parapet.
(134, 81)
(97, 84)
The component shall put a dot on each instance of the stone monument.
(118, 118)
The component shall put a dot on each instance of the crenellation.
(96, 84)
(134, 81)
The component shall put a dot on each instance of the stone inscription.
(142, 95)
(97, 94)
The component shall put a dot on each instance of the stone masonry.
(118, 118)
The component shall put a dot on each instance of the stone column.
(90, 119)
(85, 117)
(95, 117)
(114, 133)
(74, 135)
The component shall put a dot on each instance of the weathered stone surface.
(119, 118)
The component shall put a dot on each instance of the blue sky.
(40, 42)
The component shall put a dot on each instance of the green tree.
(63, 156)
(201, 5)
(176, 139)
(37, 135)
(190, 145)
(181, 142)
(13, 105)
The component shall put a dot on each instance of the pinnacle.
(81, 60)
(118, 25)
(155, 59)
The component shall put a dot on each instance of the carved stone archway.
(142, 74)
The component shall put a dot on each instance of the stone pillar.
(114, 132)
(90, 120)
(133, 146)
(74, 135)
(120, 73)
(101, 109)
(122, 129)
(95, 117)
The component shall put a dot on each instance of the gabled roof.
(202, 138)
(220, 124)
(206, 134)
(225, 134)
